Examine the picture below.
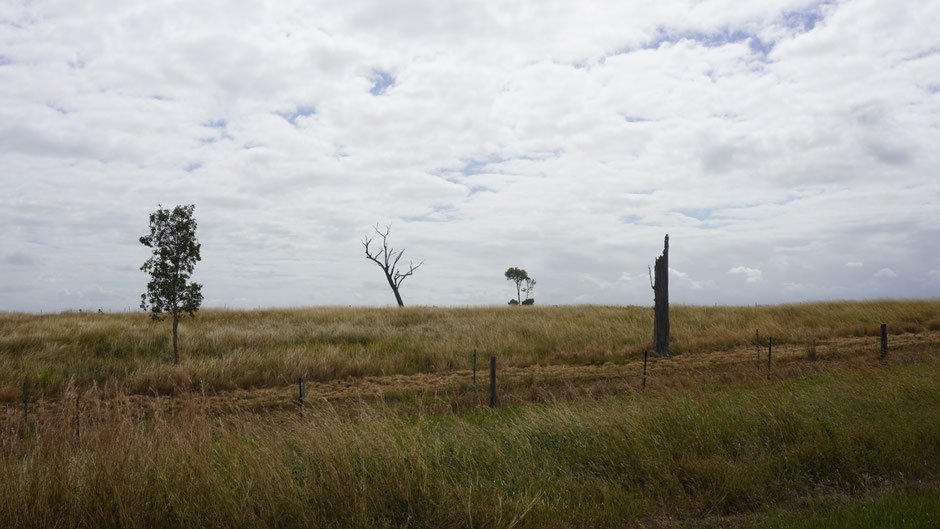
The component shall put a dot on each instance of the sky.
(790, 149)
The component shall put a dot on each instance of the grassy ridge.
(681, 455)
(225, 349)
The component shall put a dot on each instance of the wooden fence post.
(492, 382)
(474, 367)
(302, 391)
(884, 341)
(646, 353)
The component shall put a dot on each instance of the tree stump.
(661, 302)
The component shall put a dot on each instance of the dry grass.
(454, 391)
(225, 350)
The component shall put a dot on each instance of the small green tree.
(517, 276)
(175, 253)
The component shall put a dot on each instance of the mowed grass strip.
(657, 459)
(229, 349)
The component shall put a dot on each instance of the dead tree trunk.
(661, 302)
(391, 283)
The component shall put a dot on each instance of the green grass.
(714, 453)
(915, 509)
(226, 349)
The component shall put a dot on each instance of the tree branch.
(366, 241)
(399, 277)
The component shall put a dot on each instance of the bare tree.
(387, 259)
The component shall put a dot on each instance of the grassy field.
(226, 349)
(395, 433)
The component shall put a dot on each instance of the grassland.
(226, 349)
(395, 434)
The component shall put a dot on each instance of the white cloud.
(685, 280)
(854, 264)
(563, 138)
(753, 275)
(885, 272)
(933, 277)
(627, 277)
(676, 273)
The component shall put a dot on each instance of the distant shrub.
(530, 301)
(513, 302)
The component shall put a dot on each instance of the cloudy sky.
(790, 149)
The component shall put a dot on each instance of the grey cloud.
(889, 152)
(19, 259)
(730, 156)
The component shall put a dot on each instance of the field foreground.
(396, 434)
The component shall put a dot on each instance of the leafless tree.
(387, 258)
